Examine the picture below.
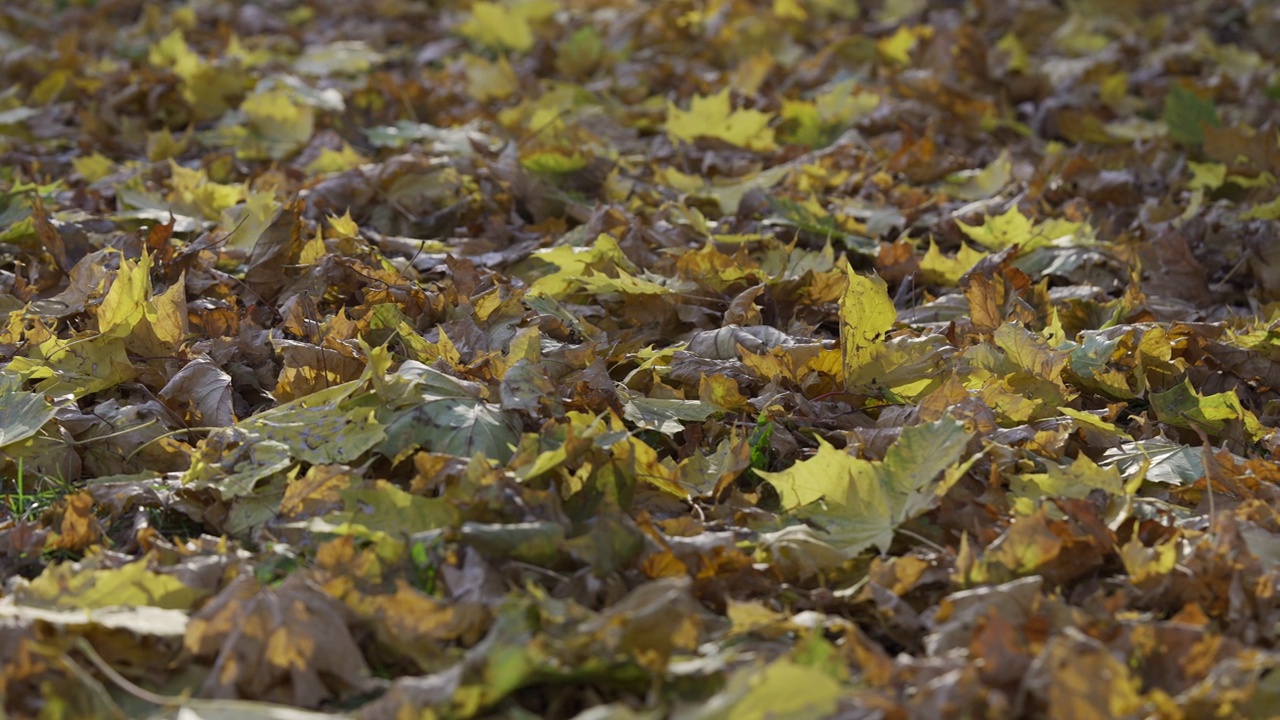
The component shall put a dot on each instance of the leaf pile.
(616, 359)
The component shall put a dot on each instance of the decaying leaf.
(604, 359)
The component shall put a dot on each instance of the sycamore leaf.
(980, 184)
(896, 48)
(204, 391)
(335, 161)
(1093, 422)
(490, 79)
(1090, 364)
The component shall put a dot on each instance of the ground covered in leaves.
(697, 359)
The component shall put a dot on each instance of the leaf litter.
(609, 359)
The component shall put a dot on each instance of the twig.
(125, 683)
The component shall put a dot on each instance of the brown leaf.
(290, 644)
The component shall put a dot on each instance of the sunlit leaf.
(866, 316)
(22, 414)
(1184, 407)
(867, 500)
(66, 586)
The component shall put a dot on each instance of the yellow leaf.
(750, 616)
(625, 283)
(897, 47)
(844, 103)
(247, 221)
(1019, 59)
(332, 161)
(93, 167)
(1148, 563)
(752, 72)
(162, 145)
(194, 194)
(123, 306)
(1000, 231)
(1263, 179)
(1031, 353)
(866, 315)
(802, 124)
(580, 54)
(714, 117)
(1075, 480)
(551, 160)
(768, 366)
(80, 367)
(166, 319)
(785, 689)
(1091, 421)
(66, 585)
(279, 124)
(150, 326)
(1263, 211)
(980, 184)
(723, 391)
(894, 12)
(571, 264)
(789, 10)
(344, 226)
(829, 473)
(498, 26)
(641, 461)
(448, 351)
(938, 269)
(172, 52)
(489, 80)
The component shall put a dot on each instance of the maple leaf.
(1186, 114)
(713, 116)
(866, 499)
(866, 316)
(481, 346)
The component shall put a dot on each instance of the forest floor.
(611, 359)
